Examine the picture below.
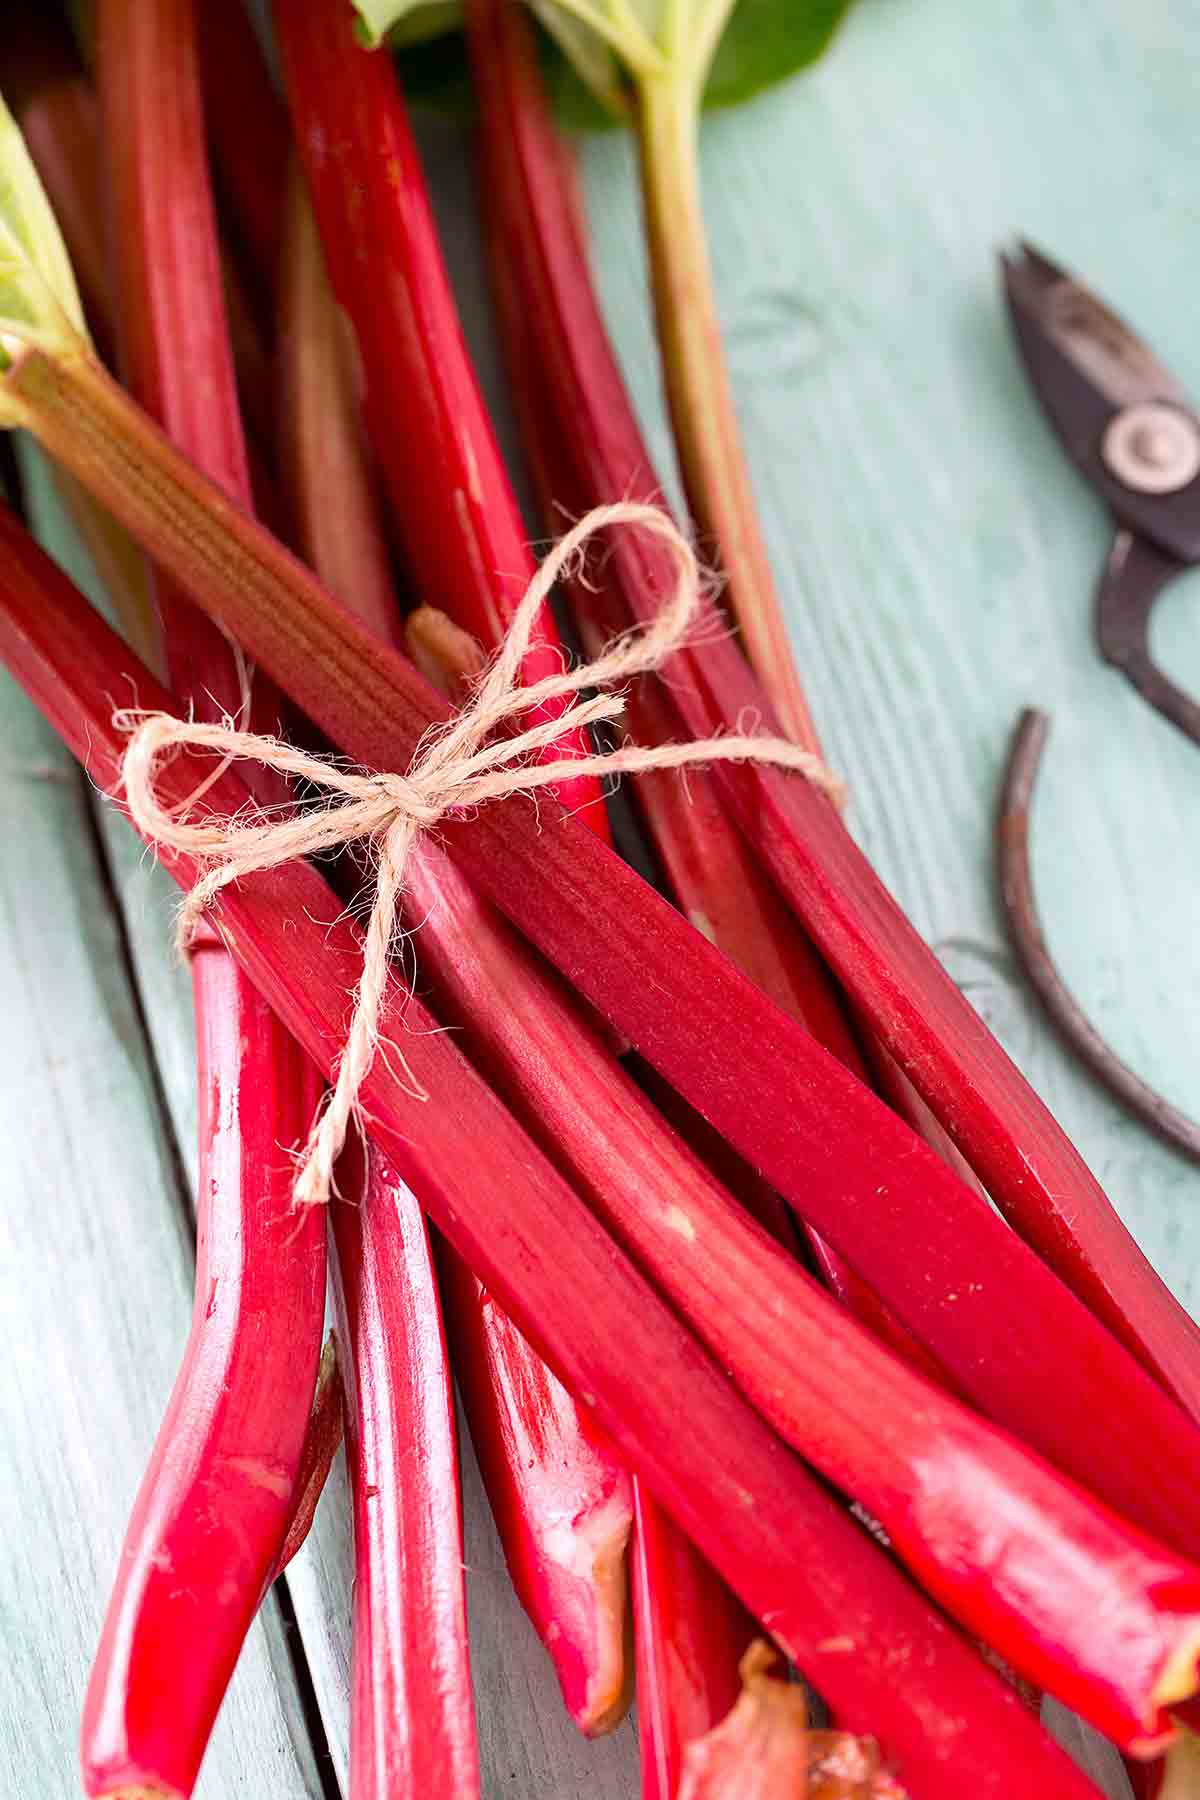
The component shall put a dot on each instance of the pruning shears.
(1131, 430)
(1128, 426)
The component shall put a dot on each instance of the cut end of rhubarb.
(764, 1748)
(445, 654)
(1181, 1773)
(140, 1793)
(597, 1561)
(1180, 1677)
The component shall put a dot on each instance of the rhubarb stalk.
(59, 117)
(412, 1723)
(560, 1498)
(453, 505)
(213, 1511)
(246, 121)
(412, 1717)
(716, 879)
(950, 1725)
(689, 1635)
(950, 1491)
(214, 1505)
(1021, 1346)
(897, 985)
(696, 379)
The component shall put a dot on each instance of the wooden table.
(936, 556)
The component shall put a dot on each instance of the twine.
(459, 765)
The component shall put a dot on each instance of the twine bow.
(459, 765)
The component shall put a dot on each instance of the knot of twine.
(459, 765)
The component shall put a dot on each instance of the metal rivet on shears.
(1152, 448)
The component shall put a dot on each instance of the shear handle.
(1134, 576)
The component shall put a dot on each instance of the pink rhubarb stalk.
(212, 1514)
(412, 1714)
(326, 471)
(453, 505)
(909, 1002)
(55, 103)
(560, 1498)
(950, 1725)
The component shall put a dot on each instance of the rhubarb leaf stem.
(699, 393)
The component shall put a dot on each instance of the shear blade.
(1096, 341)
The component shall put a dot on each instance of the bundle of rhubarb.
(789, 1327)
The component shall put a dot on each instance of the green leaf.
(765, 41)
(39, 302)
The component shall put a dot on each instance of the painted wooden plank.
(94, 1292)
(148, 898)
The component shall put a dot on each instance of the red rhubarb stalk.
(910, 1003)
(412, 1725)
(689, 1630)
(952, 1493)
(247, 126)
(214, 1505)
(1021, 1346)
(716, 878)
(213, 1510)
(560, 1498)
(412, 1715)
(325, 464)
(58, 112)
(453, 504)
(689, 1634)
(950, 1724)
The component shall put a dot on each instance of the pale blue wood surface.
(936, 557)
